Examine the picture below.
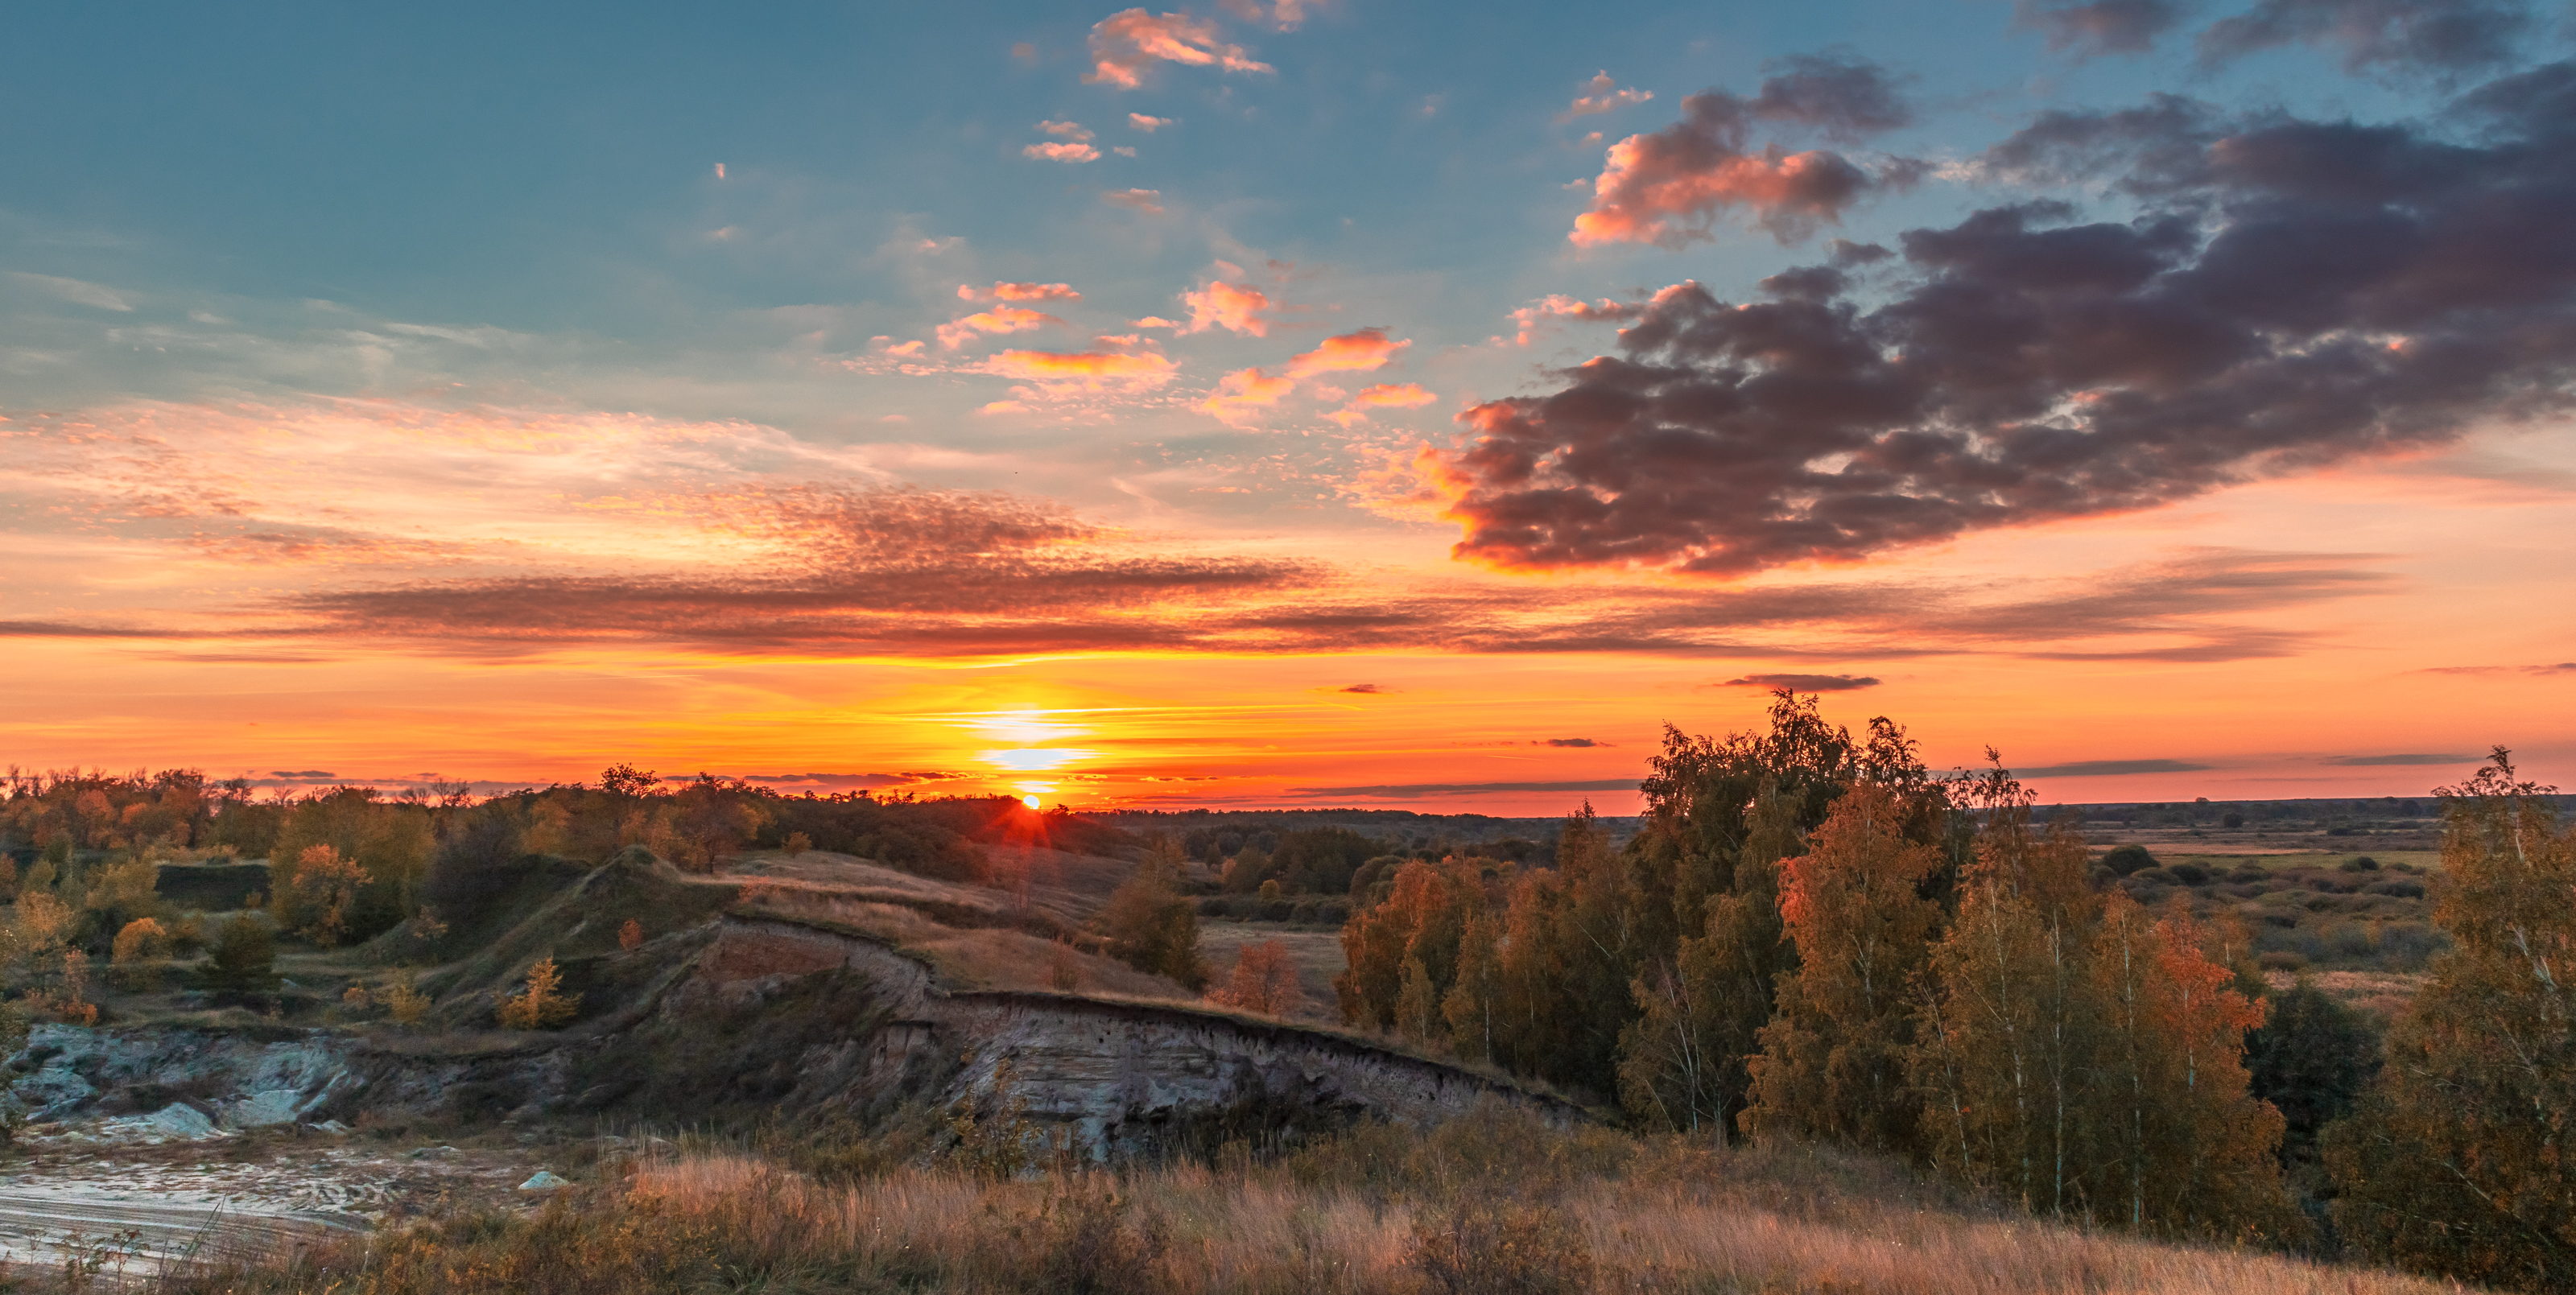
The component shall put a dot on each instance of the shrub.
(541, 1005)
(2124, 860)
(797, 843)
(2188, 874)
(631, 935)
(1484, 1246)
(244, 960)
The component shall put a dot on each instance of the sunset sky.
(1278, 403)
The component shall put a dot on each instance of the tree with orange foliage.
(1833, 1060)
(2183, 1145)
(2456, 1160)
(541, 1004)
(1264, 980)
(1420, 920)
(630, 937)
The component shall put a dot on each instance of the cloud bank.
(2291, 293)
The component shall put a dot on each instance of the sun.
(1030, 801)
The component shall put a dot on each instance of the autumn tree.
(2004, 1022)
(1264, 980)
(2183, 1145)
(1419, 922)
(1682, 1062)
(2456, 1161)
(1833, 1060)
(326, 887)
(541, 1002)
(1154, 928)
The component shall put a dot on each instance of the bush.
(1483, 1246)
(2124, 860)
(244, 960)
(2188, 874)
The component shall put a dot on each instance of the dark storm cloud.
(1803, 682)
(2293, 293)
(1845, 99)
(2109, 768)
(2441, 36)
(2100, 27)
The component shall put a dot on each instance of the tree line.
(1813, 936)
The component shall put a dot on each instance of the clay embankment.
(1119, 1072)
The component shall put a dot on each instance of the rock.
(267, 1107)
(180, 1120)
(433, 1153)
(333, 1127)
(545, 1181)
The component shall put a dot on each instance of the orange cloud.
(1410, 395)
(1124, 44)
(1366, 349)
(1001, 319)
(1226, 305)
(1148, 201)
(1147, 124)
(1061, 373)
(1603, 98)
(1527, 318)
(1241, 392)
(1002, 291)
(1641, 198)
(1072, 130)
(1061, 153)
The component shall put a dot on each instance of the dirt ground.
(131, 1207)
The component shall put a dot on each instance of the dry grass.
(1379, 1212)
(986, 958)
(2387, 994)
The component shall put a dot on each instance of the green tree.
(244, 959)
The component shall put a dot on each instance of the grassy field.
(1485, 1204)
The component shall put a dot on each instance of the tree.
(326, 887)
(1682, 1062)
(244, 959)
(2456, 1160)
(2184, 1146)
(630, 937)
(540, 1004)
(2004, 1026)
(1833, 1059)
(1154, 928)
(1264, 980)
(2312, 1058)
(1421, 920)
(138, 945)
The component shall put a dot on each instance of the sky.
(1289, 403)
